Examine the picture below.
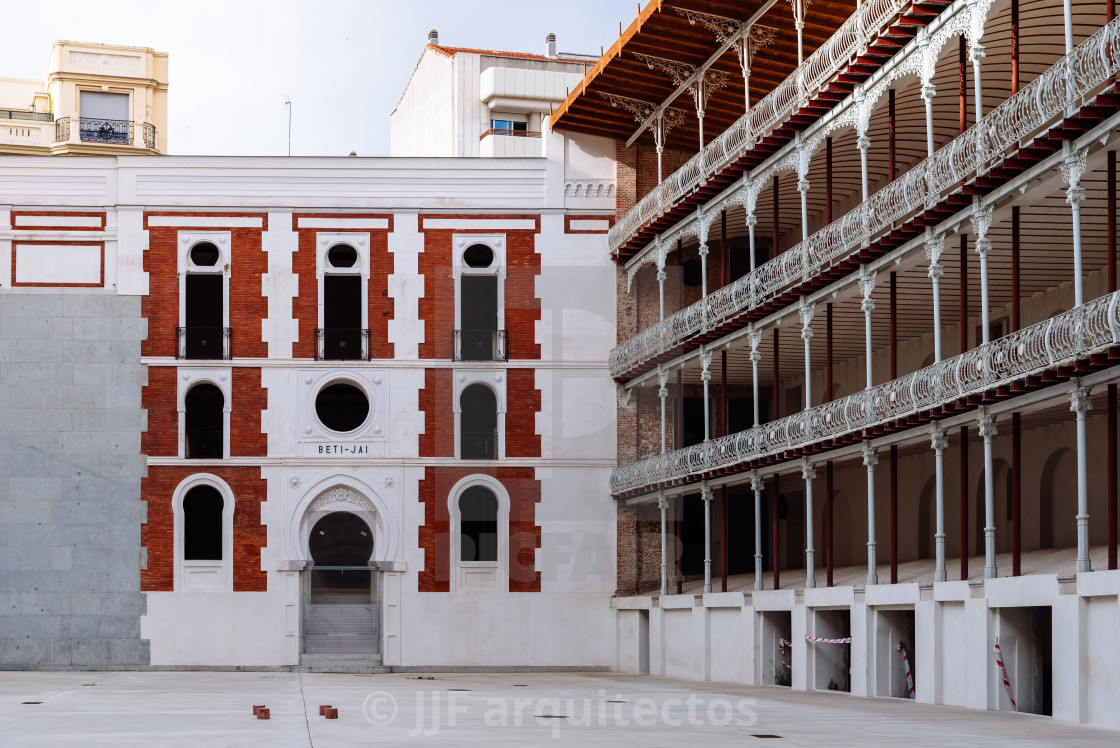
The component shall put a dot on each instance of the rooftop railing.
(26, 115)
(1026, 113)
(1075, 334)
(848, 41)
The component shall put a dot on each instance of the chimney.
(550, 42)
(433, 37)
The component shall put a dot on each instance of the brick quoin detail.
(524, 533)
(437, 404)
(160, 398)
(246, 439)
(305, 307)
(523, 402)
(522, 307)
(158, 535)
(247, 303)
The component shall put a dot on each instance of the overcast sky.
(344, 63)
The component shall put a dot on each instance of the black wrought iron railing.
(335, 344)
(62, 129)
(480, 345)
(26, 115)
(478, 445)
(97, 130)
(204, 343)
(204, 445)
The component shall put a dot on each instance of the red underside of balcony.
(889, 43)
(1047, 378)
(1103, 106)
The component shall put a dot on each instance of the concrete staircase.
(342, 639)
(341, 663)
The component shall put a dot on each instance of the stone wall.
(70, 471)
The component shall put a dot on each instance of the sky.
(343, 63)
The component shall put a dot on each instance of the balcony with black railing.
(204, 343)
(26, 115)
(480, 345)
(478, 445)
(112, 131)
(338, 344)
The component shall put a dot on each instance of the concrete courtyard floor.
(214, 709)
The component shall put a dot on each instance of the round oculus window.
(478, 256)
(204, 255)
(342, 256)
(342, 407)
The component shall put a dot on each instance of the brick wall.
(159, 398)
(158, 534)
(247, 304)
(305, 307)
(522, 307)
(246, 439)
(523, 403)
(524, 534)
(438, 439)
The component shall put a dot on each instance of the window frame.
(459, 268)
(187, 378)
(461, 569)
(188, 240)
(496, 381)
(324, 241)
(224, 569)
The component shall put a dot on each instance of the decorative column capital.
(988, 428)
(929, 91)
(803, 185)
(663, 380)
(756, 481)
(976, 54)
(983, 247)
(870, 455)
(662, 276)
(863, 142)
(808, 469)
(705, 494)
(935, 272)
(703, 250)
(752, 220)
(867, 305)
(1075, 196)
(937, 438)
(662, 502)
(866, 284)
(1079, 398)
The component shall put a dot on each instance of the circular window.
(342, 256)
(204, 255)
(478, 256)
(341, 407)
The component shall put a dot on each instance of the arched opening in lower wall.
(927, 519)
(1057, 501)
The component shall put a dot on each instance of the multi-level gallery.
(777, 345)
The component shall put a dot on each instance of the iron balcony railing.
(1078, 333)
(97, 130)
(480, 345)
(25, 115)
(339, 344)
(478, 445)
(62, 129)
(204, 445)
(1043, 101)
(845, 44)
(205, 343)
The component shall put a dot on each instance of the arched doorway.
(343, 614)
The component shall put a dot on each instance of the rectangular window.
(505, 124)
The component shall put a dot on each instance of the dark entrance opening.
(342, 334)
(478, 318)
(202, 524)
(478, 423)
(478, 525)
(204, 332)
(341, 545)
(205, 421)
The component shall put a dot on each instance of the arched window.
(343, 337)
(205, 418)
(478, 423)
(204, 335)
(478, 525)
(478, 337)
(202, 524)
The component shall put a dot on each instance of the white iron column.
(706, 495)
(976, 54)
(981, 222)
(1072, 169)
(871, 459)
(988, 432)
(1080, 404)
(755, 338)
(928, 92)
(805, 311)
(752, 221)
(803, 188)
(661, 276)
(703, 236)
(659, 142)
(663, 391)
(939, 442)
(706, 377)
(866, 286)
(756, 486)
(663, 505)
(863, 142)
(808, 472)
(934, 247)
(701, 97)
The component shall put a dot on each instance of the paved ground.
(214, 709)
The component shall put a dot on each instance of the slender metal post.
(756, 486)
(964, 502)
(870, 460)
(928, 92)
(706, 378)
(829, 521)
(934, 247)
(863, 143)
(1016, 534)
(939, 442)
(963, 323)
(1015, 304)
(776, 225)
(890, 136)
(752, 221)
(866, 286)
(808, 472)
(706, 497)
(755, 338)
(774, 551)
(1073, 169)
(805, 311)
(723, 538)
(663, 505)
(776, 372)
(663, 393)
(988, 432)
(1080, 404)
(981, 221)
(803, 188)
(828, 180)
(828, 353)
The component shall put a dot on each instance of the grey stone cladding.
(70, 471)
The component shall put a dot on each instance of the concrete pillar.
(939, 442)
(1080, 403)
(808, 472)
(988, 432)
(870, 460)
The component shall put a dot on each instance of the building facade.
(94, 99)
(867, 315)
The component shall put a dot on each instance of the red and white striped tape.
(782, 644)
(906, 663)
(1003, 673)
(818, 640)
